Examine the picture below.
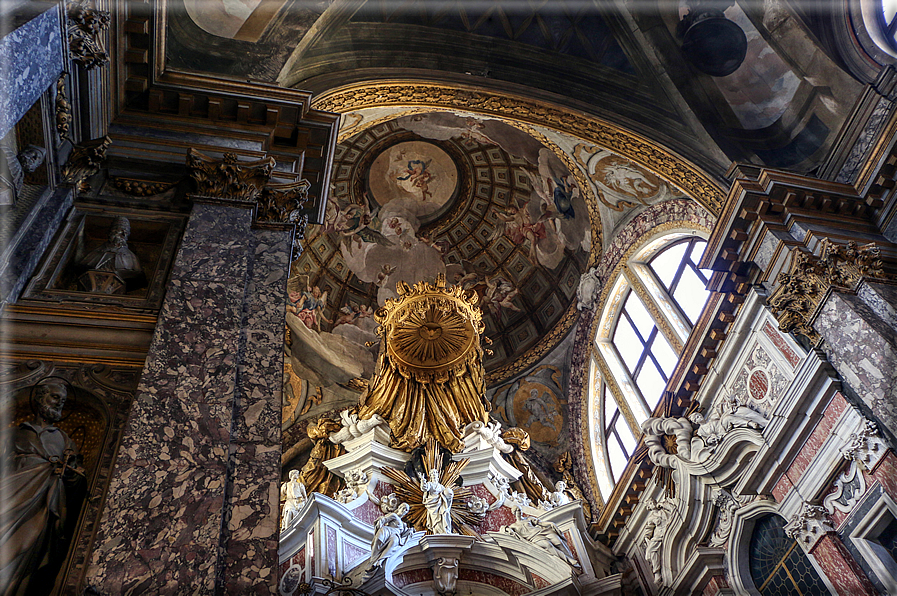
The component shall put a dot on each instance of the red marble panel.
(412, 576)
(540, 582)
(758, 385)
(840, 567)
(367, 512)
(782, 488)
(811, 447)
(886, 473)
(715, 586)
(505, 584)
(780, 343)
(570, 544)
(331, 551)
(299, 557)
(352, 554)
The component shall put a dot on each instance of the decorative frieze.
(803, 288)
(63, 108)
(810, 524)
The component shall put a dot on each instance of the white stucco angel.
(390, 533)
(544, 535)
(437, 500)
(660, 514)
(294, 496)
(726, 414)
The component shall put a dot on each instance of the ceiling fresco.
(476, 199)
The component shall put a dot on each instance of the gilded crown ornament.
(429, 380)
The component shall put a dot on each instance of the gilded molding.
(85, 28)
(804, 287)
(589, 128)
(140, 188)
(63, 108)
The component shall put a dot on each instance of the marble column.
(842, 571)
(193, 503)
(860, 335)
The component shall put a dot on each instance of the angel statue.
(390, 533)
(294, 497)
(726, 414)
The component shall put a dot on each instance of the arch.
(745, 521)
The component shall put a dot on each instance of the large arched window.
(777, 564)
(655, 297)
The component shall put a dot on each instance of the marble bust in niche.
(112, 267)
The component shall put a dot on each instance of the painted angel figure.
(500, 294)
(310, 307)
(415, 179)
(516, 224)
(437, 500)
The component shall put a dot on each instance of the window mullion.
(665, 326)
(612, 384)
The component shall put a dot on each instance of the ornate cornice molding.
(804, 287)
(668, 165)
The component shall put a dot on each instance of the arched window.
(777, 564)
(655, 298)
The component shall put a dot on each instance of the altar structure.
(428, 506)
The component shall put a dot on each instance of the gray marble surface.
(194, 496)
(22, 78)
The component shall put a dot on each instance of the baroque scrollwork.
(803, 288)
(866, 446)
(85, 161)
(85, 28)
(140, 188)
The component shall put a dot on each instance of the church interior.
(448, 297)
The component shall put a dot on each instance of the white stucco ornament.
(810, 524)
(589, 288)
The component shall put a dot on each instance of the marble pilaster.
(193, 502)
(861, 343)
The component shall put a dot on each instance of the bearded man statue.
(40, 464)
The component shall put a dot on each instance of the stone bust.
(13, 169)
(112, 259)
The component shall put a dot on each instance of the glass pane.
(626, 437)
(610, 408)
(628, 343)
(691, 294)
(636, 309)
(890, 9)
(697, 251)
(664, 353)
(650, 383)
(667, 262)
(616, 456)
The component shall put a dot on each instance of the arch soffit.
(668, 165)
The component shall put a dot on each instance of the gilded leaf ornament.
(229, 178)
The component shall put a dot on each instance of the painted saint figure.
(437, 500)
(41, 467)
(309, 307)
(416, 178)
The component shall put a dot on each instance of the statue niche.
(48, 457)
(112, 268)
(429, 381)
